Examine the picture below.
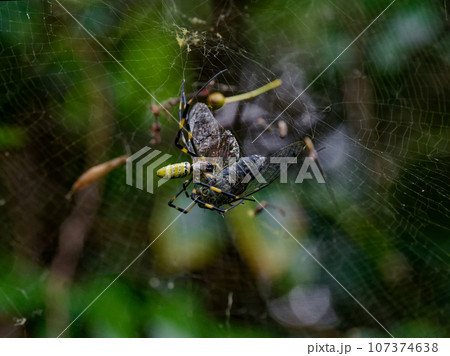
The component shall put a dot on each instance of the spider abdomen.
(177, 170)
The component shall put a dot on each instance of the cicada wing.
(210, 138)
(270, 171)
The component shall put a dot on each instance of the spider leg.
(184, 125)
(183, 113)
(183, 96)
(257, 190)
(185, 184)
(234, 205)
(212, 207)
(220, 191)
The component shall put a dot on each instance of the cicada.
(222, 177)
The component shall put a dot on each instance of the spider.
(220, 176)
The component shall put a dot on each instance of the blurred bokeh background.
(378, 115)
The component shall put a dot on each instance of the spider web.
(378, 117)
